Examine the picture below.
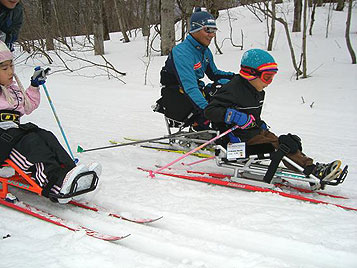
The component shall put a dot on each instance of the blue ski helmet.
(199, 19)
(254, 58)
(256, 61)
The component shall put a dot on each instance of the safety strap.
(276, 157)
(53, 179)
(13, 116)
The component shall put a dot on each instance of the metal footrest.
(73, 191)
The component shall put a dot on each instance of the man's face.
(205, 35)
(9, 3)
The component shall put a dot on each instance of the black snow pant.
(40, 152)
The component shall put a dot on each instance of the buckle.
(9, 117)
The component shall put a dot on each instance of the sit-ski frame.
(23, 181)
(185, 141)
(247, 168)
(20, 180)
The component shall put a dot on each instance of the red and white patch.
(197, 65)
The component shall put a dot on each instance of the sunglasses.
(209, 29)
(267, 76)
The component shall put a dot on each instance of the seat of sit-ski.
(12, 175)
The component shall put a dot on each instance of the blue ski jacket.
(187, 63)
(10, 24)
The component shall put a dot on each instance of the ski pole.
(81, 150)
(152, 173)
(199, 161)
(58, 122)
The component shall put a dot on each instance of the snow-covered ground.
(202, 225)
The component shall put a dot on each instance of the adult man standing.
(183, 91)
(11, 19)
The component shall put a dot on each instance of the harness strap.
(6, 115)
(275, 160)
(57, 178)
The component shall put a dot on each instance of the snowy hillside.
(203, 225)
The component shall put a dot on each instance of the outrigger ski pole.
(153, 172)
(57, 119)
(81, 150)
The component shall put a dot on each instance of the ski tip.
(80, 149)
(116, 238)
(151, 174)
(109, 238)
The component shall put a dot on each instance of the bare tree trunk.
(105, 21)
(291, 47)
(312, 17)
(304, 50)
(347, 33)
(297, 16)
(167, 26)
(46, 17)
(119, 8)
(146, 24)
(329, 15)
(98, 27)
(186, 7)
(268, 12)
(272, 32)
(340, 5)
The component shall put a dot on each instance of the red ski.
(288, 186)
(96, 208)
(46, 216)
(246, 186)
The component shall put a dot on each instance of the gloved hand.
(263, 126)
(244, 121)
(39, 76)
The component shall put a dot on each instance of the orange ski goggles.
(267, 76)
(250, 74)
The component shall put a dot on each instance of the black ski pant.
(40, 152)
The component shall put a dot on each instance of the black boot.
(327, 172)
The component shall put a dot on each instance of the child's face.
(9, 3)
(6, 73)
(258, 84)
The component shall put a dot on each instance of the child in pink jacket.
(34, 149)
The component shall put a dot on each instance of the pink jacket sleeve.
(33, 93)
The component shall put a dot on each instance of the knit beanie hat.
(199, 19)
(255, 61)
(5, 53)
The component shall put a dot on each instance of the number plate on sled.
(235, 150)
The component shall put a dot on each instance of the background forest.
(51, 22)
